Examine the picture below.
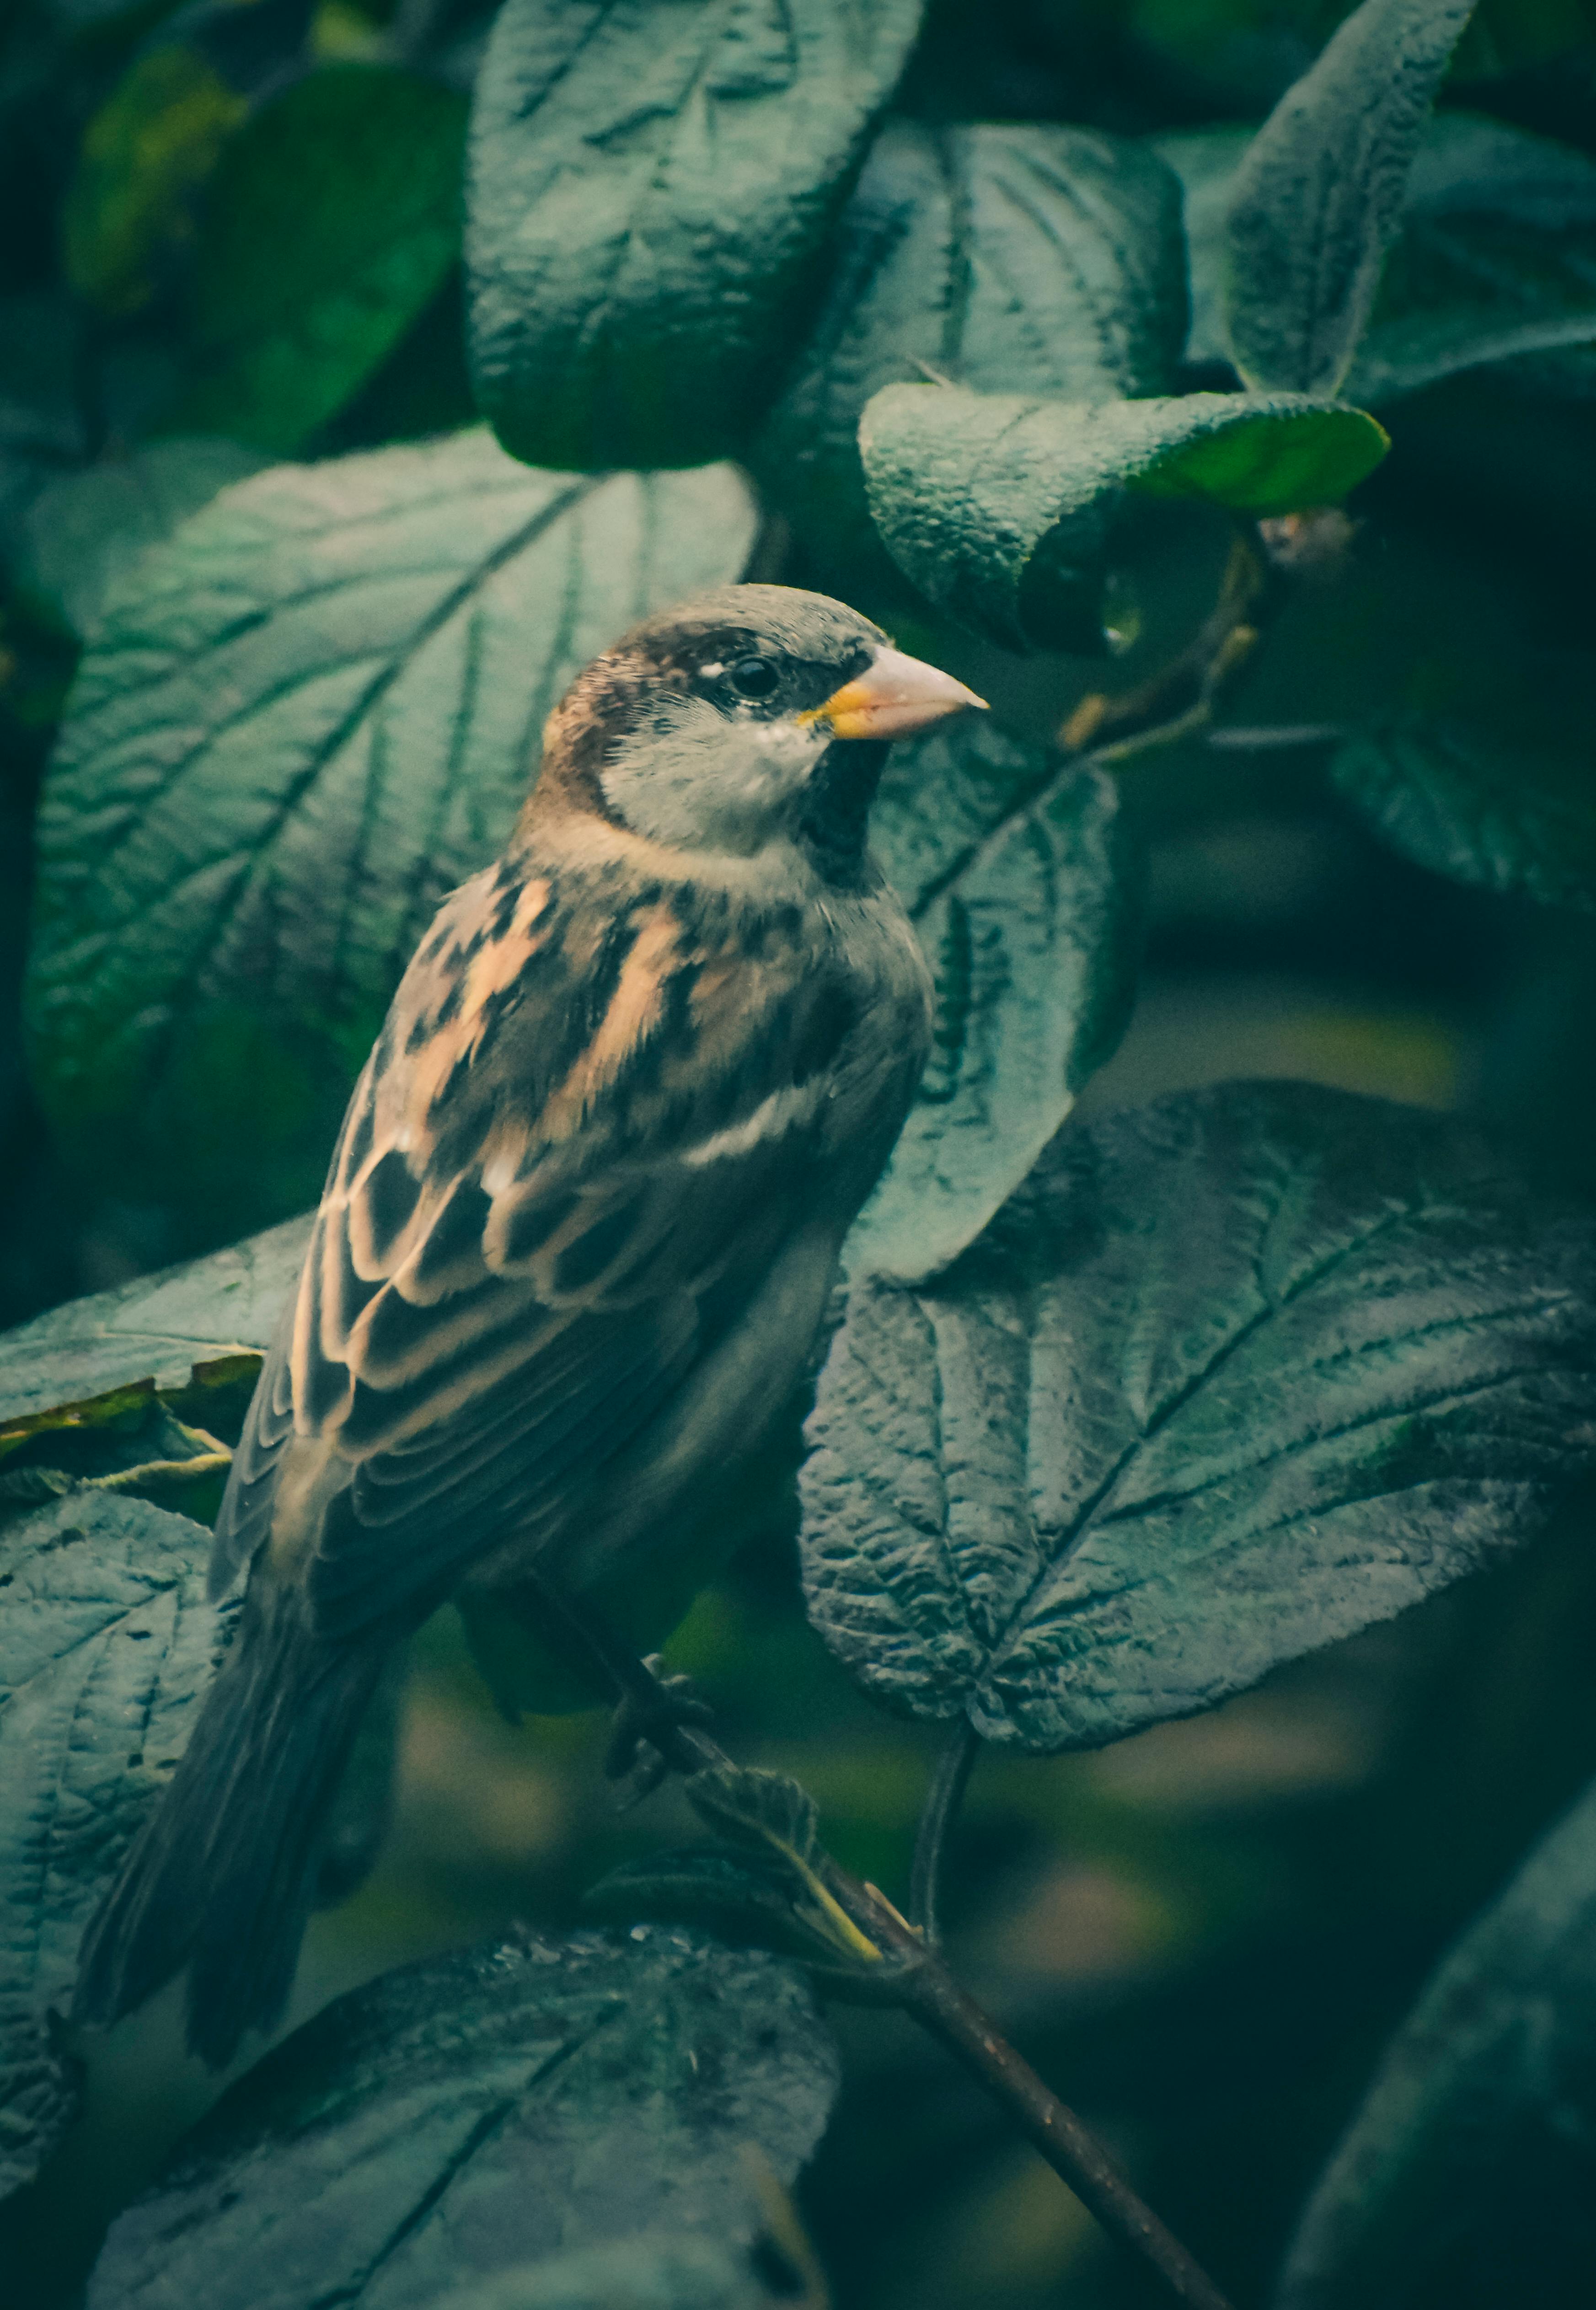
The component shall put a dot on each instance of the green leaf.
(331, 222)
(645, 2273)
(1465, 2177)
(1023, 882)
(83, 533)
(1319, 194)
(998, 508)
(1464, 800)
(481, 2112)
(180, 1331)
(316, 711)
(1015, 258)
(1230, 1377)
(107, 1646)
(146, 154)
(1496, 257)
(743, 1898)
(651, 188)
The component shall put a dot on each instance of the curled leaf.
(998, 508)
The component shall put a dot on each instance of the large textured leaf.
(1013, 258)
(1319, 193)
(106, 1645)
(483, 2111)
(157, 1327)
(331, 221)
(1474, 804)
(1230, 1377)
(998, 508)
(83, 532)
(1469, 2175)
(1496, 256)
(1022, 881)
(651, 186)
(316, 709)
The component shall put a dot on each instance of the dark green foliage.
(1229, 1377)
(481, 2113)
(1021, 877)
(1468, 2174)
(359, 656)
(1481, 805)
(1495, 257)
(650, 190)
(330, 221)
(998, 507)
(106, 1645)
(1119, 1419)
(1319, 194)
(1011, 259)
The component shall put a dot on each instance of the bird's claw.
(639, 1733)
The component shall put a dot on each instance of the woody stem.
(929, 1991)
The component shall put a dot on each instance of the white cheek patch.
(695, 779)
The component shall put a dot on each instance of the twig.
(1182, 696)
(942, 1800)
(1273, 738)
(931, 1993)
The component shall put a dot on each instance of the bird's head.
(750, 716)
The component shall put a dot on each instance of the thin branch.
(942, 1800)
(1183, 695)
(928, 1990)
(1274, 738)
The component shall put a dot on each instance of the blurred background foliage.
(242, 221)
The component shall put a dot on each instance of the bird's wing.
(583, 1136)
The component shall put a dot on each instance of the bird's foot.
(641, 1730)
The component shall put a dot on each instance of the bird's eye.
(754, 677)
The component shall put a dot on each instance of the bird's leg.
(654, 1711)
(642, 1726)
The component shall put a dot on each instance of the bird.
(577, 1236)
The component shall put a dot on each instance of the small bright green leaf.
(651, 186)
(1472, 803)
(481, 2112)
(145, 155)
(106, 1645)
(333, 220)
(1230, 1377)
(772, 1816)
(1319, 193)
(83, 532)
(315, 711)
(997, 507)
(1011, 258)
(764, 1811)
(1496, 257)
(1466, 2176)
(1023, 882)
(191, 1330)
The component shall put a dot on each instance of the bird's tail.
(222, 1876)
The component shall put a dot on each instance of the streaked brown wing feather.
(535, 1226)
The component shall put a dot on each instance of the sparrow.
(576, 1238)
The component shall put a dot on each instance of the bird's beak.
(894, 697)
